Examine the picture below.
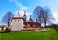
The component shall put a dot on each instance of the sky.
(16, 6)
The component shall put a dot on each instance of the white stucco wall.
(17, 25)
(0, 29)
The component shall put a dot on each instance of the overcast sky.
(28, 5)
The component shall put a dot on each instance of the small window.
(18, 20)
(15, 20)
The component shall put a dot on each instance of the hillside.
(48, 35)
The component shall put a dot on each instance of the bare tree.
(42, 14)
(37, 14)
(7, 18)
(47, 16)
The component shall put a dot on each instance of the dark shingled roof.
(17, 18)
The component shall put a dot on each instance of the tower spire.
(18, 14)
(30, 18)
(24, 16)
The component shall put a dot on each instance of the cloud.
(19, 4)
(21, 8)
(56, 17)
(12, 0)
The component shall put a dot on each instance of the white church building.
(17, 23)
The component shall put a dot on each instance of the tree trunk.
(45, 24)
(8, 24)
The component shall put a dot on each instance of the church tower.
(30, 18)
(17, 23)
(18, 14)
(24, 17)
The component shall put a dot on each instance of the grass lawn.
(48, 35)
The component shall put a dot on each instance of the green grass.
(48, 35)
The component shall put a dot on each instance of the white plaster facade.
(17, 24)
(0, 29)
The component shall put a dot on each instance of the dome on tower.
(30, 20)
(18, 15)
(24, 15)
